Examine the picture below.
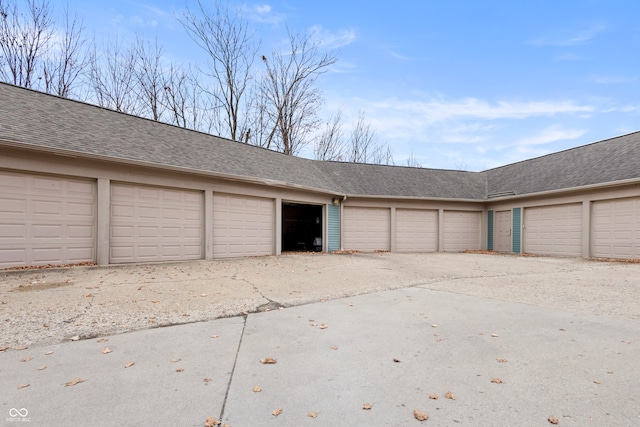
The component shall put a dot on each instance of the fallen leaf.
(366, 406)
(214, 336)
(257, 389)
(203, 295)
(102, 340)
(23, 386)
(268, 361)
(155, 301)
(207, 380)
(48, 353)
(450, 395)
(180, 370)
(106, 350)
(20, 348)
(75, 338)
(434, 326)
(350, 304)
(87, 295)
(597, 382)
(334, 347)
(74, 382)
(438, 339)
(3, 349)
(130, 364)
(497, 381)
(42, 368)
(313, 414)
(420, 416)
(396, 360)
(211, 422)
(276, 412)
(433, 396)
(502, 360)
(626, 342)
(26, 359)
(324, 326)
(175, 360)
(495, 335)
(552, 420)
(313, 324)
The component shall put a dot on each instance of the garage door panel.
(155, 223)
(616, 228)
(461, 230)
(46, 219)
(366, 229)
(553, 230)
(242, 226)
(416, 230)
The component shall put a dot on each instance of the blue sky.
(471, 84)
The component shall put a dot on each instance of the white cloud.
(333, 39)
(573, 39)
(611, 79)
(547, 136)
(262, 13)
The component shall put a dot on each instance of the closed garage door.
(242, 226)
(553, 230)
(366, 229)
(155, 224)
(416, 230)
(616, 228)
(46, 220)
(461, 230)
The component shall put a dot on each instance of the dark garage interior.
(301, 227)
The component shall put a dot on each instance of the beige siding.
(553, 230)
(416, 230)
(155, 224)
(242, 226)
(46, 219)
(366, 229)
(462, 230)
(503, 231)
(616, 228)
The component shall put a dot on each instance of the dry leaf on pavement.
(26, 359)
(175, 360)
(366, 406)
(48, 353)
(102, 340)
(420, 416)
(130, 364)
(74, 382)
(312, 414)
(207, 380)
(497, 381)
(42, 368)
(552, 420)
(180, 370)
(276, 412)
(502, 360)
(334, 347)
(450, 395)
(324, 326)
(106, 350)
(23, 386)
(257, 389)
(211, 422)
(268, 361)
(396, 360)
(495, 335)
(433, 396)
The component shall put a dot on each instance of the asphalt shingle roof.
(47, 122)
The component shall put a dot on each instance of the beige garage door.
(553, 230)
(461, 231)
(242, 226)
(46, 220)
(416, 230)
(616, 228)
(366, 229)
(155, 224)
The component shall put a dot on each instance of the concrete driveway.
(511, 341)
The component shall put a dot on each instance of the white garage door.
(366, 229)
(46, 220)
(553, 230)
(155, 224)
(416, 230)
(242, 226)
(616, 228)
(461, 230)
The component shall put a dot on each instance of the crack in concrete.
(233, 369)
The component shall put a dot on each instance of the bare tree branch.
(364, 146)
(225, 37)
(289, 94)
(149, 76)
(330, 145)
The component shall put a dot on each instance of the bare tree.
(112, 78)
(150, 77)
(412, 162)
(225, 37)
(68, 59)
(24, 39)
(182, 99)
(364, 146)
(330, 144)
(289, 93)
